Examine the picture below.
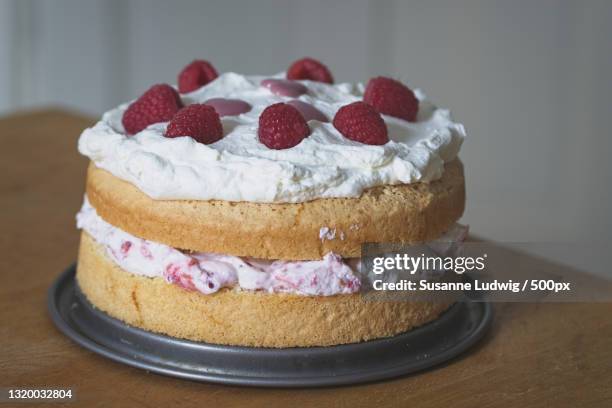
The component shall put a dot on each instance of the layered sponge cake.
(232, 209)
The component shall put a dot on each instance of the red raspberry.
(199, 121)
(310, 68)
(391, 97)
(195, 75)
(282, 126)
(360, 122)
(158, 104)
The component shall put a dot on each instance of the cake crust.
(407, 214)
(245, 318)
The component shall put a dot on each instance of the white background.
(529, 79)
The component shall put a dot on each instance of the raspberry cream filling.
(238, 167)
(209, 272)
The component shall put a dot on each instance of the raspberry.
(360, 122)
(158, 104)
(195, 75)
(391, 97)
(282, 126)
(199, 121)
(310, 68)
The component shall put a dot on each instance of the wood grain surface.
(536, 355)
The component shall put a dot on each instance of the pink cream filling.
(209, 272)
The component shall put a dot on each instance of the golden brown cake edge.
(408, 213)
(236, 317)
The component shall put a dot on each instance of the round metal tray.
(452, 334)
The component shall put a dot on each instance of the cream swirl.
(240, 168)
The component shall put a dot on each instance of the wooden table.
(535, 355)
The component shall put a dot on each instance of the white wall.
(91, 55)
(531, 80)
(7, 43)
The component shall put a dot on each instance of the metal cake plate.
(439, 341)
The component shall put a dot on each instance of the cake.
(232, 209)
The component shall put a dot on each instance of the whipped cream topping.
(240, 168)
(209, 272)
